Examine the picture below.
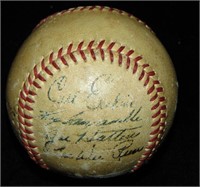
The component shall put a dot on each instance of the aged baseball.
(92, 92)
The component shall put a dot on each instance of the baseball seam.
(55, 62)
(93, 8)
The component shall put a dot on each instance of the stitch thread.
(26, 96)
(91, 8)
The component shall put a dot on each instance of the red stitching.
(136, 63)
(48, 71)
(151, 89)
(25, 89)
(45, 68)
(110, 46)
(128, 62)
(155, 106)
(155, 131)
(141, 75)
(156, 122)
(81, 8)
(30, 80)
(154, 97)
(154, 138)
(89, 8)
(147, 152)
(29, 99)
(149, 74)
(120, 49)
(25, 130)
(100, 45)
(89, 48)
(151, 146)
(120, 61)
(161, 99)
(81, 51)
(26, 95)
(129, 53)
(69, 52)
(110, 51)
(24, 122)
(101, 50)
(61, 57)
(23, 114)
(22, 96)
(29, 145)
(31, 93)
(27, 138)
(36, 85)
(25, 106)
(156, 114)
(53, 62)
(160, 89)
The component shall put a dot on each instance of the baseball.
(92, 92)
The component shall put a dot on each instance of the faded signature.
(120, 137)
(77, 119)
(57, 94)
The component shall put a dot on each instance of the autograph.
(120, 138)
(57, 94)
(77, 119)
(120, 149)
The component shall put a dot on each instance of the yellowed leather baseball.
(92, 92)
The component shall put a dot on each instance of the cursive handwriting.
(97, 86)
(91, 155)
(120, 138)
(125, 150)
(59, 92)
(55, 92)
(112, 135)
(117, 102)
(77, 119)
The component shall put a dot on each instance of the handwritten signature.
(122, 139)
(94, 154)
(120, 135)
(77, 119)
(123, 144)
(59, 93)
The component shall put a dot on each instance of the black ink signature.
(120, 135)
(59, 93)
(60, 149)
(56, 92)
(124, 150)
(92, 155)
(50, 117)
(82, 155)
(117, 102)
(49, 140)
